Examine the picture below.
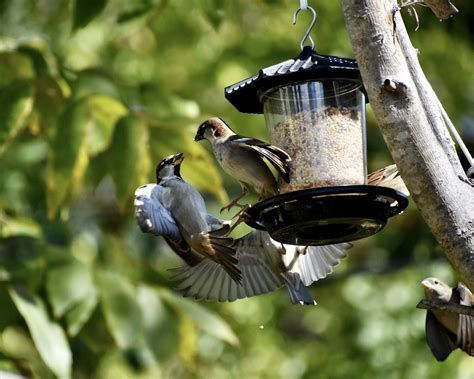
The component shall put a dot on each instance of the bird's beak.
(427, 285)
(177, 159)
(199, 135)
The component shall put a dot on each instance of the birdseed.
(326, 147)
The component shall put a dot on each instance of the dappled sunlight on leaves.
(92, 96)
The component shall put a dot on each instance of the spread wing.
(152, 216)
(276, 156)
(209, 281)
(313, 263)
(440, 340)
(466, 323)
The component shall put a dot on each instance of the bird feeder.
(314, 108)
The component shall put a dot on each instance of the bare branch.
(443, 9)
(443, 306)
(412, 124)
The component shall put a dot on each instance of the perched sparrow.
(176, 210)
(241, 157)
(388, 177)
(446, 331)
(266, 265)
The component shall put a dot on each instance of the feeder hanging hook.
(304, 7)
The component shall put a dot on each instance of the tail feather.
(221, 232)
(226, 256)
(297, 291)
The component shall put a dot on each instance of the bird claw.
(242, 216)
(232, 204)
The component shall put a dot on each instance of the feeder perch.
(314, 108)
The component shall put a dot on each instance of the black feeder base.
(326, 215)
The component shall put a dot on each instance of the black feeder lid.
(326, 215)
(308, 66)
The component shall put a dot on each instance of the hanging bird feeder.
(314, 108)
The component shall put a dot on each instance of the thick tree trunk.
(410, 118)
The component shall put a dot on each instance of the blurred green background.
(92, 96)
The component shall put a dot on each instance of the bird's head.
(435, 289)
(170, 166)
(213, 129)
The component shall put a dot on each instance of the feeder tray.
(326, 215)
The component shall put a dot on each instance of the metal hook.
(306, 35)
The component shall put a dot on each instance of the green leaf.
(68, 158)
(214, 12)
(159, 322)
(205, 320)
(94, 82)
(79, 314)
(19, 226)
(16, 103)
(105, 111)
(134, 14)
(121, 310)
(68, 284)
(129, 159)
(21, 261)
(85, 11)
(49, 338)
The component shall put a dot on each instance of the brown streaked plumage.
(242, 158)
(388, 177)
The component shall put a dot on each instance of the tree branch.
(411, 121)
(443, 306)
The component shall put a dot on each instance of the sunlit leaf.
(79, 314)
(121, 310)
(124, 318)
(16, 103)
(48, 336)
(188, 337)
(68, 155)
(159, 322)
(67, 284)
(105, 112)
(18, 227)
(129, 158)
(94, 82)
(17, 346)
(15, 66)
(85, 11)
(205, 320)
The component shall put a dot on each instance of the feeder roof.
(308, 66)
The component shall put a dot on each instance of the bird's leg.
(293, 261)
(234, 202)
(241, 216)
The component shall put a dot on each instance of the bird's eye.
(436, 282)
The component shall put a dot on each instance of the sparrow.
(388, 177)
(175, 210)
(242, 158)
(446, 331)
(266, 266)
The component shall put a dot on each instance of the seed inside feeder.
(321, 126)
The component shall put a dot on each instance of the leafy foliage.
(93, 95)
